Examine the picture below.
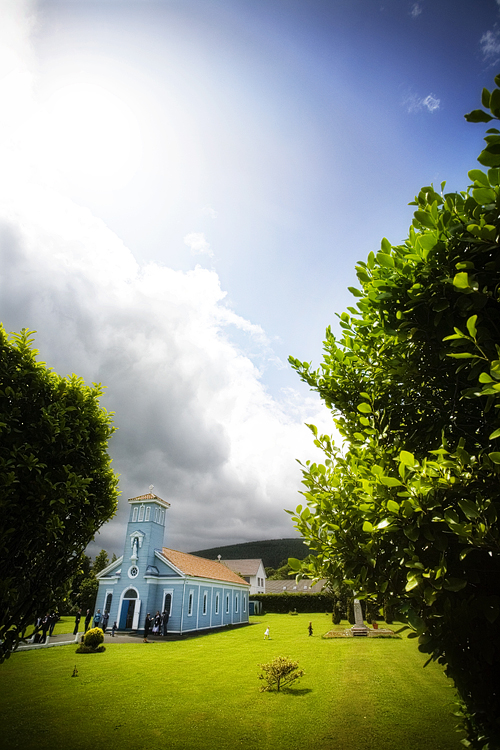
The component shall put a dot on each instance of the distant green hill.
(272, 551)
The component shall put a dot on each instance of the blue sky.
(187, 187)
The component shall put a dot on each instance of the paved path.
(68, 639)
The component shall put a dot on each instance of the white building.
(252, 571)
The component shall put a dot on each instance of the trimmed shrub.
(279, 672)
(93, 638)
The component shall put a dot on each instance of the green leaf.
(485, 98)
(494, 105)
(488, 158)
(495, 457)
(385, 260)
(471, 326)
(412, 583)
(385, 246)
(390, 482)
(477, 175)
(425, 219)
(461, 280)
(355, 291)
(484, 196)
(364, 408)
(494, 434)
(468, 508)
(294, 563)
(454, 584)
(477, 115)
(393, 506)
(407, 458)
(367, 526)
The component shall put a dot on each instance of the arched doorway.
(129, 602)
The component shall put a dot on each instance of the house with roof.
(252, 571)
(198, 594)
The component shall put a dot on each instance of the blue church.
(198, 594)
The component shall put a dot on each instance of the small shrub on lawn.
(279, 672)
(87, 650)
(92, 641)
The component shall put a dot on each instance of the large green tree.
(409, 505)
(58, 487)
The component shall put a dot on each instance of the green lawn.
(203, 694)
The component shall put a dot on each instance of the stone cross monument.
(359, 628)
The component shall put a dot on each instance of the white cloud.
(490, 44)
(194, 418)
(415, 103)
(193, 414)
(198, 244)
(416, 10)
(209, 211)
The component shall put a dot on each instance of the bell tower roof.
(149, 496)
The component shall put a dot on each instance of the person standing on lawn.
(52, 621)
(45, 627)
(88, 618)
(147, 627)
(97, 619)
(310, 628)
(78, 617)
(164, 621)
(105, 619)
(266, 634)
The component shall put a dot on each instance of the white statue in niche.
(135, 549)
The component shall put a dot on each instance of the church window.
(141, 513)
(236, 603)
(162, 517)
(217, 604)
(130, 594)
(244, 603)
(167, 604)
(148, 511)
(227, 603)
(107, 606)
(204, 602)
(190, 603)
(133, 571)
(134, 514)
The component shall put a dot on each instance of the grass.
(203, 693)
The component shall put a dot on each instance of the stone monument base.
(359, 630)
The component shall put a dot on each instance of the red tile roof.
(201, 568)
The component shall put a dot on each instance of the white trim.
(122, 598)
(137, 611)
(166, 592)
(115, 564)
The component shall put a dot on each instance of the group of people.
(45, 624)
(156, 625)
(100, 620)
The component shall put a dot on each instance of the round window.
(133, 571)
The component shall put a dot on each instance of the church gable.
(111, 570)
(166, 567)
